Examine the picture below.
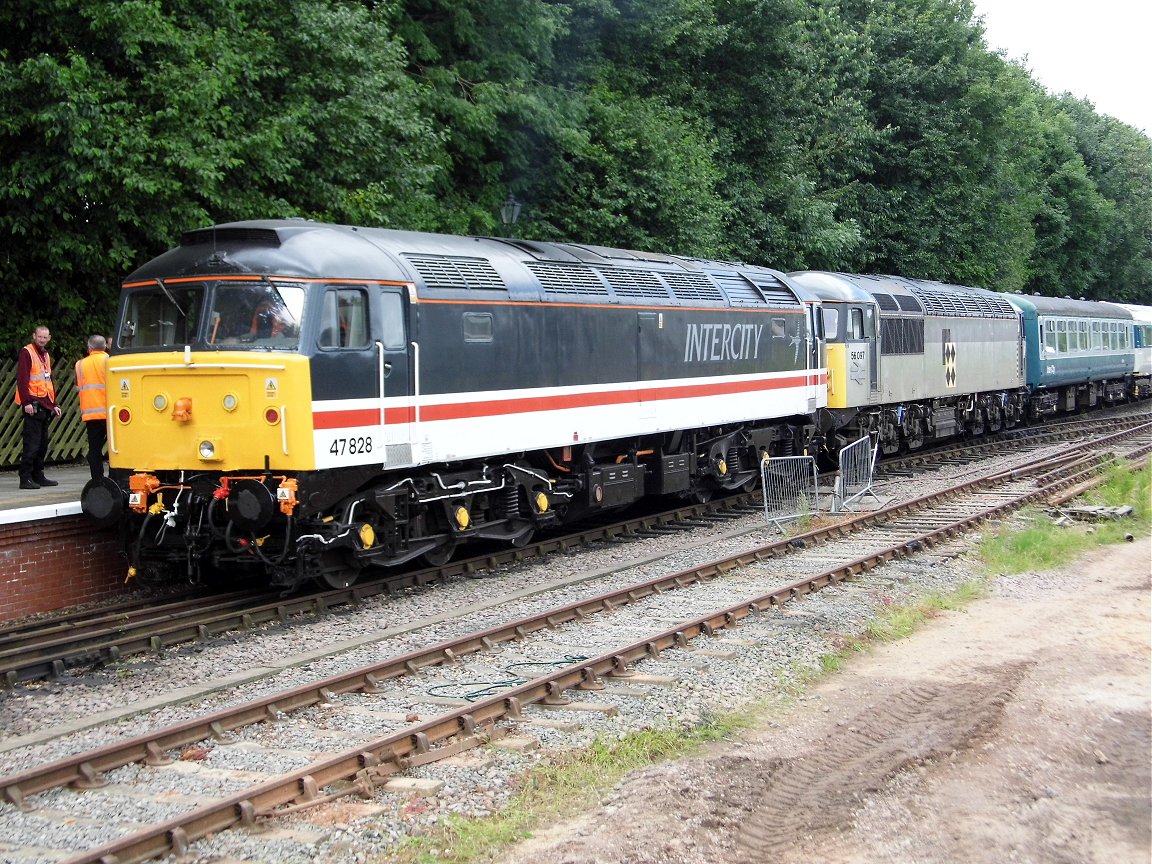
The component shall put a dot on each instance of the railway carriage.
(1141, 341)
(912, 360)
(1079, 353)
(310, 399)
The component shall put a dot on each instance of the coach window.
(1097, 344)
(1062, 337)
(344, 318)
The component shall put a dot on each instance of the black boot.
(44, 481)
(28, 484)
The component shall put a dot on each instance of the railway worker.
(37, 399)
(90, 375)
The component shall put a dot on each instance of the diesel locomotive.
(309, 399)
(305, 400)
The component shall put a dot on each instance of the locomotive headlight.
(207, 450)
(160, 401)
(230, 402)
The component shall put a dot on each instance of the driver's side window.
(344, 319)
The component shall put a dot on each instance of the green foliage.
(877, 135)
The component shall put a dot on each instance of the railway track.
(50, 648)
(827, 556)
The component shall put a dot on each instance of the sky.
(1100, 50)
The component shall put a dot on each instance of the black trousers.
(35, 443)
(97, 437)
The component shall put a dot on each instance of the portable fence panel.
(857, 469)
(790, 488)
(67, 439)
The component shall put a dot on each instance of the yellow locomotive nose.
(224, 411)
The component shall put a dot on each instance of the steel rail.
(86, 768)
(471, 724)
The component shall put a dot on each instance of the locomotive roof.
(437, 263)
(1068, 307)
(898, 295)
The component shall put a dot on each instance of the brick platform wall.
(49, 564)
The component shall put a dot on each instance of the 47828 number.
(350, 446)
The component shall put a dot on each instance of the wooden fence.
(67, 439)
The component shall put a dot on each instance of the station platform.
(47, 502)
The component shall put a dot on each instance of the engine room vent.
(955, 302)
(740, 291)
(886, 302)
(231, 237)
(908, 304)
(775, 292)
(568, 279)
(692, 286)
(447, 271)
(641, 284)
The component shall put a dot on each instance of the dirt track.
(1017, 730)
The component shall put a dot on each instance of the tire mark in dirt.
(820, 790)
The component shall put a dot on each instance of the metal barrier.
(790, 488)
(854, 480)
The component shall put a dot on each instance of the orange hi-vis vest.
(39, 377)
(90, 375)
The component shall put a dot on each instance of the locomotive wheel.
(441, 555)
(340, 579)
(522, 540)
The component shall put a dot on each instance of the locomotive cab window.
(164, 316)
(261, 314)
(831, 317)
(344, 319)
(856, 324)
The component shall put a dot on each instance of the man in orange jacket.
(90, 375)
(36, 397)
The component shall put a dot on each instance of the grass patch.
(1041, 544)
(570, 784)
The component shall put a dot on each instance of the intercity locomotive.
(308, 399)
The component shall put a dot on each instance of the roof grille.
(740, 291)
(908, 304)
(575, 279)
(634, 283)
(447, 271)
(231, 237)
(958, 302)
(775, 292)
(886, 302)
(692, 286)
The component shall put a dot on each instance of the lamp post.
(510, 210)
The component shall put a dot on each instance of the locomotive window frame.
(855, 324)
(344, 320)
(831, 316)
(478, 327)
(155, 314)
(392, 310)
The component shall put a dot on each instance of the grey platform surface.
(48, 502)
